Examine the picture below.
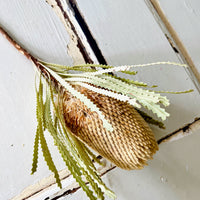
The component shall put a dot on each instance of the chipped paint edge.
(36, 190)
(75, 32)
(182, 132)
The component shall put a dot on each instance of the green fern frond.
(45, 149)
(105, 67)
(106, 92)
(156, 109)
(128, 67)
(38, 105)
(147, 98)
(82, 158)
(129, 72)
(150, 119)
(113, 86)
(95, 65)
(60, 143)
(35, 152)
(173, 92)
(67, 141)
(48, 159)
(90, 168)
(83, 69)
(136, 83)
(39, 113)
(132, 91)
(74, 169)
(75, 66)
(74, 164)
(94, 185)
(82, 98)
(36, 141)
(103, 83)
(142, 96)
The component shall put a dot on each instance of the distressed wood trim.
(75, 187)
(86, 30)
(35, 190)
(182, 132)
(78, 48)
(174, 40)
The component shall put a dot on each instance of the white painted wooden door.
(113, 32)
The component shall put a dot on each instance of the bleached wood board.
(184, 16)
(127, 33)
(173, 174)
(118, 174)
(33, 24)
(37, 28)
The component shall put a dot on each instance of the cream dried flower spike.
(131, 142)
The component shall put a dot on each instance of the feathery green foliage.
(40, 132)
(173, 92)
(111, 85)
(35, 153)
(150, 119)
(82, 97)
(77, 157)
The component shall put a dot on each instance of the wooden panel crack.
(182, 132)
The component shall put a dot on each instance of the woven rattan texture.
(128, 146)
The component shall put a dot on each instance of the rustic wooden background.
(114, 32)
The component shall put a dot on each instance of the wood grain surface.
(128, 36)
(126, 32)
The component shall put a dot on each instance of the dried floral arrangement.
(91, 106)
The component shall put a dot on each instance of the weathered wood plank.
(121, 30)
(35, 25)
(184, 17)
(127, 33)
(173, 174)
(175, 40)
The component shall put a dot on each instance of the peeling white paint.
(73, 50)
